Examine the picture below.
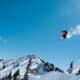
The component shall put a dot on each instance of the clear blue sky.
(34, 26)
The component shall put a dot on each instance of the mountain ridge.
(29, 66)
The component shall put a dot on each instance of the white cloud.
(74, 32)
(69, 35)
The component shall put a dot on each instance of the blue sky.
(34, 26)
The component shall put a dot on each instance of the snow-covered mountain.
(32, 67)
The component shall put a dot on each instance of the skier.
(64, 34)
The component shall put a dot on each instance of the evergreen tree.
(70, 68)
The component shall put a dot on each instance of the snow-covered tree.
(70, 68)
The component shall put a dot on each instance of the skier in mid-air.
(64, 34)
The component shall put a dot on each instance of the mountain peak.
(31, 65)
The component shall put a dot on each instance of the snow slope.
(32, 67)
(55, 76)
